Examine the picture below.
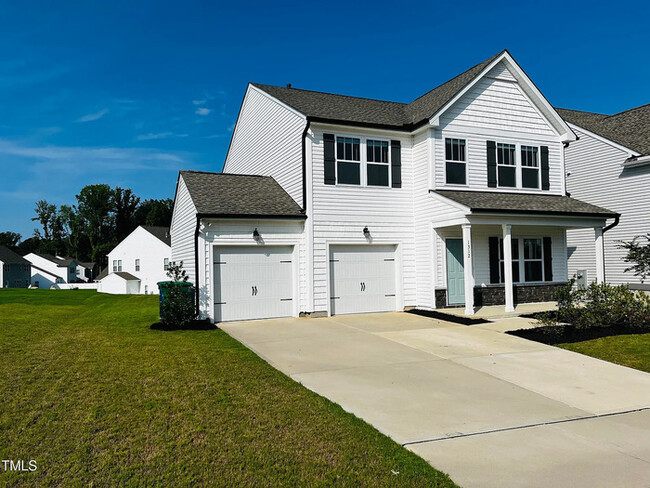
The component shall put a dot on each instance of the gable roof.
(366, 111)
(126, 276)
(228, 195)
(630, 128)
(160, 232)
(7, 256)
(524, 203)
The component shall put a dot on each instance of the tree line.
(89, 229)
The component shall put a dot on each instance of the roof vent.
(288, 85)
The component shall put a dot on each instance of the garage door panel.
(253, 282)
(362, 279)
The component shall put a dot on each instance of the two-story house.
(610, 165)
(15, 271)
(360, 205)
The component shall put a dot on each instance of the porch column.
(467, 269)
(507, 267)
(600, 255)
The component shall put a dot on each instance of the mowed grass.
(629, 350)
(96, 397)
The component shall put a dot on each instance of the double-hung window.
(455, 162)
(117, 265)
(137, 265)
(529, 167)
(515, 261)
(166, 264)
(348, 160)
(506, 165)
(533, 260)
(377, 166)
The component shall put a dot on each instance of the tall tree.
(95, 206)
(126, 204)
(10, 239)
(45, 214)
(52, 241)
(155, 212)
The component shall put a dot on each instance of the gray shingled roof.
(630, 128)
(221, 194)
(329, 106)
(126, 276)
(7, 256)
(524, 203)
(161, 233)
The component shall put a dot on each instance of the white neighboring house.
(48, 270)
(610, 165)
(138, 263)
(330, 204)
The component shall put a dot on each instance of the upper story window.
(166, 264)
(348, 160)
(137, 265)
(378, 163)
(455, 162)
(529, 167)
(506, 165)
(117, 265)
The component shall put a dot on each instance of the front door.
(455, 272)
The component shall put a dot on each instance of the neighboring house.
(610, 165)
(138, 263)
(48, 270)
(359, 205)
(15, 271)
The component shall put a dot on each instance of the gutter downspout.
(605, 229)
(304, 167)
(196, 264)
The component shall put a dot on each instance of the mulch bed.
(560, 334)
(194, 325)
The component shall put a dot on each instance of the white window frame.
(166, 264)
(363, 161)
(538, 167)
(465, 162)
(137, 264)
(522, 261)
(117, 265)
(514, 166)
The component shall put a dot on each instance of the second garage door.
(362, 279)
(253, 282)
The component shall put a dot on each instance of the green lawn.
(95, 396)
(629, 350)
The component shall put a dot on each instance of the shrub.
(600, 305)
(177, 309)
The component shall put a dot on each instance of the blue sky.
(128, 93)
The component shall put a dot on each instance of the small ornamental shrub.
(177, 309)
(638, 254)
(600, 305)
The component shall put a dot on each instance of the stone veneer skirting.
(496, 295)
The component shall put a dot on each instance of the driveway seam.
(527, 426)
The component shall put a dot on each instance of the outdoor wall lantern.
(366, 232)
(256, 234)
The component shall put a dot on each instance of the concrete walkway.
(488, 408)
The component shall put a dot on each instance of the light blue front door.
(455, 272)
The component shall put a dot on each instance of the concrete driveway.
(488, 408)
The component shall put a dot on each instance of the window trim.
(513, 166)
(166, 264)
(444, 152)
(538, 167)
(522, 261)
(363, 160)
(137, 264)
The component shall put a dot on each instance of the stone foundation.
(496, 295)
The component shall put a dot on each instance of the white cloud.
(199, 102)
(93, 116)
(159, 135)
(202, 111)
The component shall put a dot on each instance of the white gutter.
(636, 161)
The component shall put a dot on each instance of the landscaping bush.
(600, 305)
(177, 308)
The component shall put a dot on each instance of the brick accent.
(496, 294)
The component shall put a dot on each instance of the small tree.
(638, 254)
(177, 309)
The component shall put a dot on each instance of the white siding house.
(609, 166)
(138, 263)
(455, 199)
(49, 271)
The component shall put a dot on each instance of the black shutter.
(494, 259)
(544, 157)
(492, 163)
(548, 260)
(330, 159)
(396, 163)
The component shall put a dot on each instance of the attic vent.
(288, 85)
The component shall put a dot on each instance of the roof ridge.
(460, 74)
(629, 110)
(582, 111)
(330, 93)
(218, 173)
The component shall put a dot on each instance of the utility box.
(581, 279)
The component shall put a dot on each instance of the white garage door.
(252, 282)
(362, 279)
